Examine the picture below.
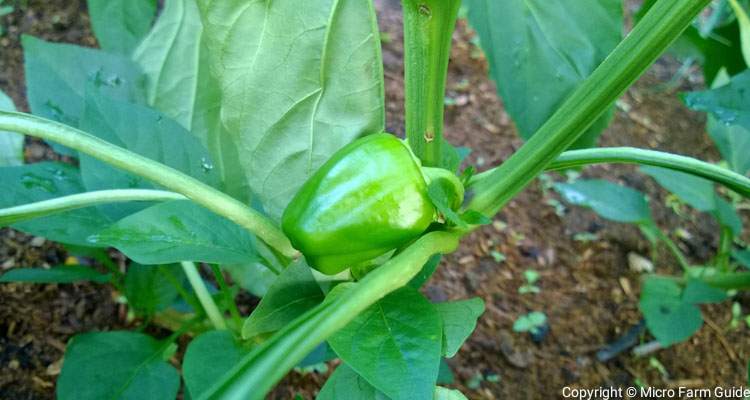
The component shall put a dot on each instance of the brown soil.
(587, 289)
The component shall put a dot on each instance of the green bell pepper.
(369, 198)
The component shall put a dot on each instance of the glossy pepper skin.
(369, 198)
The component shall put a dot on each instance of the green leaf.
(742, 257)
(729, 104)
(176, 60)
(116, 365)
(697, 292)
(440, 198)
(733, 142)
(459, 320)
(299, 80)
(60, 274)
(744, 22)
(445, 374)
(169, 56)
(294, 292)
(472, 217)
(120, 25)
(427, 270)
(179, 231)
(146, 132)
(207, 358)
(47, 180)
(147, 287)
(669, 318)
(695, 191)
(345, 383)
(609, 200)
(395, 345)
(321, 354)
(727, 216)
(714, 41)
(540, 51)
(11, 144)
(442, 393)
(530, 322)
(255, 277)
(57, 77)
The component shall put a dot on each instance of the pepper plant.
(248, 137)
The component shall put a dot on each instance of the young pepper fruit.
(369, 198)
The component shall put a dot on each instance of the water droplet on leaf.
(206, 165)
(31, 181)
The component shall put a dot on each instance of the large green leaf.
(116, 365)
(169, 56)
(147, 287)
(540, 51)
(11, 144)
(207, 358)
(299, 80)
(120, 25)
(395, 345)
(176, 61)
(459, 320)
(146, 132)
(291, 295)
(347, 384)
(43, 181)
(57, 77)
(609, 200)
(179, 231)
(61, 274)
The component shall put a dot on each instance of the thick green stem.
(44, 208)
(256, 374)
(170, 178)
(207, 302)
(663, 23)
(428, 28)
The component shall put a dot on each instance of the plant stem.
(256, 374)
(227, 293)
(213, 313)
(736, 280)
(44, 208)
(663, 23)
(725, 249)
(428, 28)
(672, 246)
(630, 155)
(195, 190)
